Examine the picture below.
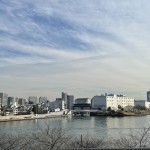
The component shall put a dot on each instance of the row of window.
(120, 97)
(120, 100)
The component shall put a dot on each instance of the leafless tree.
(86, 142)
(47, 138)
(135, 139)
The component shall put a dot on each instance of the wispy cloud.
(83, 47)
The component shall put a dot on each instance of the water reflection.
(75, 126)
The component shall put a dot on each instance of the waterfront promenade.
(60, 114)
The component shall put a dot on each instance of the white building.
(111, 100)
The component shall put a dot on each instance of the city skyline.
(81, 47)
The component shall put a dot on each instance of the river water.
(100, 127)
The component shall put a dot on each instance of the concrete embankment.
(16, 118)
(30, 117)
(135, 114)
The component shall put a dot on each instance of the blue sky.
(83, 47)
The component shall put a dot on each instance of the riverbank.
(29, 117)
(56, 114)
(121, 113)
(16, 118)
(135, 114)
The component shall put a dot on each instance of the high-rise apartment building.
(59, 103)
(10, 102)
(70, 102)
(3, 99)
(21, 101)
(64, 96)
(148, 96)
(64, 100)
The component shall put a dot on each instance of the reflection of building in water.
(111, 100)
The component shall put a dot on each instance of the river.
(101, 127)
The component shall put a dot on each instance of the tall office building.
(21, 101)
(10, 102)
(148, 96)
(33, 100)
(3, 99)
(59, 103)
(70, 102)
(64, 96)
(64, 99)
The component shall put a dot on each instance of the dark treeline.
(47, 138)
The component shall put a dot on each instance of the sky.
(81, 47)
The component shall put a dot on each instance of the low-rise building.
(111, 100)
(142, 103)
(82, 107)
(82, 103)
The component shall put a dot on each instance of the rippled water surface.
(75, 126)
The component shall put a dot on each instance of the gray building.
(64, 96)
(148, 96)
(3, 99)
(59, 103)
(64, 100)
(43, 100)
(33, 100)
(70, 102)
(21, 101)
(10, 102)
